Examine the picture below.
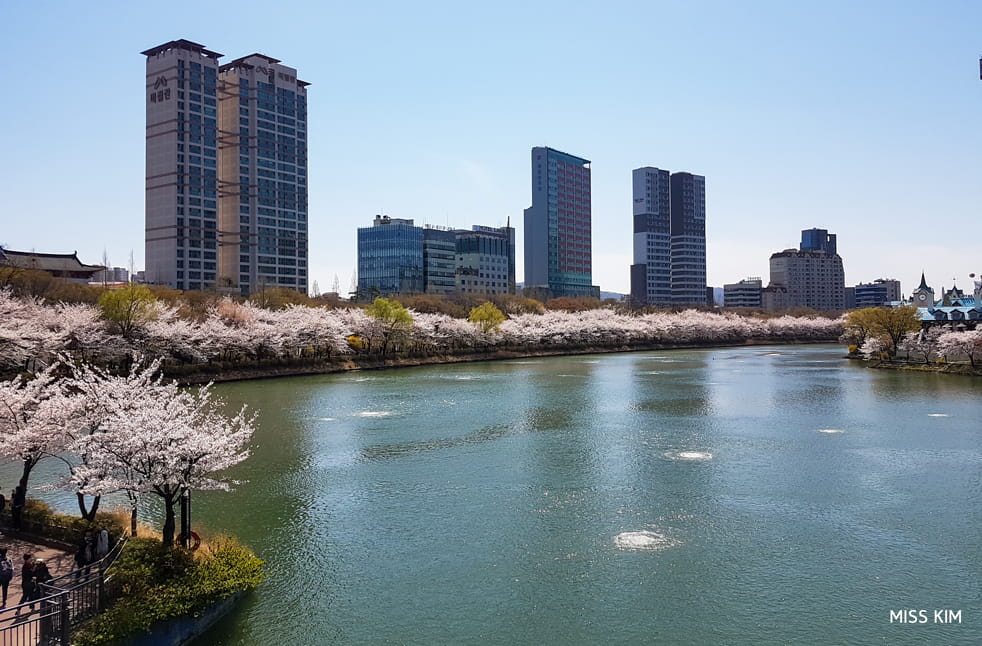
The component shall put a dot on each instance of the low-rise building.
(745, 293)
(395, 256)
(60, 265)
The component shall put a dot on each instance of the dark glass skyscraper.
(669, 238)
(818, 240)
(558, 254)
(651, 273)
(688, 239)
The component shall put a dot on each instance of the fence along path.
(72, 596)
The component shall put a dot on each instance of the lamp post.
(186, 519)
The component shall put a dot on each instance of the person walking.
(26, 582)
(102, 544)
(84, 555)
(17, 501)
(41, 575)
(6, 574)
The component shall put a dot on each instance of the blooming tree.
(94, 402)
(174, 442)
(29, 429)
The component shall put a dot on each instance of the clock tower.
(923, 296)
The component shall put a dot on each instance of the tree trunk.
(89, 514)
(29, 464)
(133, 521)
(170, 523)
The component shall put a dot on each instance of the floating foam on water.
(937, 415)
(830, 431)
(374, 413)
(694, 456)
(644, 540)
(326, 419)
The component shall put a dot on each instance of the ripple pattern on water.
(644, 540)
(692, 456)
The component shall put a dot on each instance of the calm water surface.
(728, 496)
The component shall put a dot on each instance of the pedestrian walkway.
(59, 562)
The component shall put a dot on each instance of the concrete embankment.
(191, 374)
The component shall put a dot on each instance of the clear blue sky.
(861, 118)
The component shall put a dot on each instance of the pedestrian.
(17, 501)
(85, 554)
(6, 574)
(41, 575)
(102, 544)
(26, 582)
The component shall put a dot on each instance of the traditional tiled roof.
(55, 263)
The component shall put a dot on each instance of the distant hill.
(605, 295)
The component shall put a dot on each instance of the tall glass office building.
(558, 253)
(226, 179)
(390, 257)
(669, 238)
(688, 239)
(651, 273)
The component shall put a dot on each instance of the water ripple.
(644, 540)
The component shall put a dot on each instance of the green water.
(773, 495)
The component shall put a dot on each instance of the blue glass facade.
(651, 273)
(390, 257)
(558, 253)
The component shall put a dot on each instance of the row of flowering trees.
(896, 332)
(936, 344)
(32, 331)
(132, 433)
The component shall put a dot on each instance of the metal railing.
(64, 602)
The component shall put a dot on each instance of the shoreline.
(959, 369)
(198, 374)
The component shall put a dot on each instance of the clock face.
(922, 297)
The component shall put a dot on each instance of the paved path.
(59, 562)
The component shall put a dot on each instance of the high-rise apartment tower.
(262, 150)
(182, 165)
(226, 193)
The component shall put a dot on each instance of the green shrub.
(154, 583)
(65, 527)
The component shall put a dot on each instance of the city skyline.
(800, 118)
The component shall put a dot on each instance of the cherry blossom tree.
(94, 402)
(29, 428)
(955, 345)
(175, 442)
